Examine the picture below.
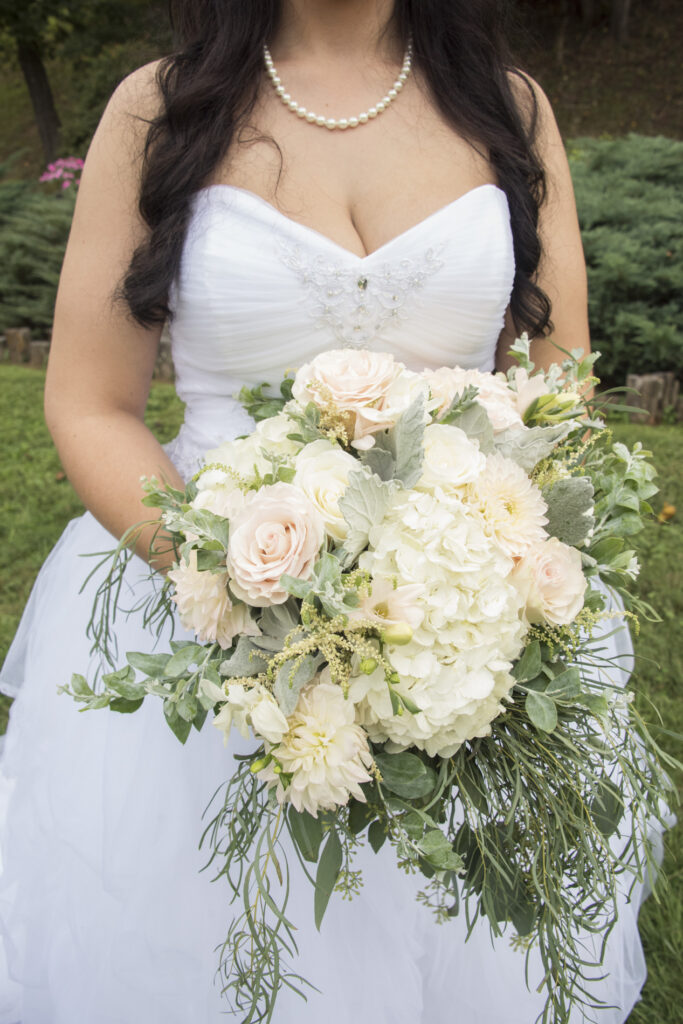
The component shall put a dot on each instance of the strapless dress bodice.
(258, 293)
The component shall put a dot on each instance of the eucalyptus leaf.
(208, 559)
(153, 665)
(566, 685)
(179, 663)
(360, 815)
(307, 833)
(377, 836)
(541, 710)
(405, 774)
(607, 807)
(436, 849)
(529, 665)
(178, 725)
(327, 875)
(570, 509)
(124, 706)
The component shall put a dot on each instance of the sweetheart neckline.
(306, 230)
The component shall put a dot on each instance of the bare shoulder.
(533, 105)
(135, 102)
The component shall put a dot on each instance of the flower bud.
(263, 762)
(398, 633)
(368, 666)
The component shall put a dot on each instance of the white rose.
(277, 531)
(322, 473)
(247, 457)
(551, 581)
(451, 459)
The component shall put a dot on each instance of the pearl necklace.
(343, 122)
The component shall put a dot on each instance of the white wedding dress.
(105, 917)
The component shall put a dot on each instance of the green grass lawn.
(37, 502)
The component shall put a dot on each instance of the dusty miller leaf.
(363, 506)
(245, 660)
(474, 420)
(570, 509)
(528, 447)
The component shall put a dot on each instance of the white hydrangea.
(456, 667)
(325, 751)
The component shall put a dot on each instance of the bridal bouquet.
(393, 583)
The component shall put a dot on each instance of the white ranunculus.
(248, 456)
(550, 579)
(219, 492)
(325, 752)
(456, 667)
(278, 531)
(322, 473)
(451, 459)
(494, 394)
(205, 607)
(251, 707)
(510, 504)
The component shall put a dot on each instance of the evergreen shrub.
(629, 194)
(630, 200)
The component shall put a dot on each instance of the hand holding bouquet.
(393, 584)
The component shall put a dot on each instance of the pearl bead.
(330, 122)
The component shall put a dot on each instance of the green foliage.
(34, 228)
(629, 196)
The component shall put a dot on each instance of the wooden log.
(657, 392)
(619, 19)
(3, 348)
(18, 341)
(39, 352)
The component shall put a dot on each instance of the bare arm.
(562, 271)
(101, 362)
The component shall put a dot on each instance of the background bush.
(630, 199)
(629, 194)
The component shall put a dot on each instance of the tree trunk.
(47, 118)
(619, 20)
(587, 8)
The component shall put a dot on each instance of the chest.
(362, 187)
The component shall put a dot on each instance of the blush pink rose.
(278, 531)
(493, 393)
(550, 580)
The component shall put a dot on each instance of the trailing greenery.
(629, 195)
(37, 502)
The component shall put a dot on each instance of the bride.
(377, 176)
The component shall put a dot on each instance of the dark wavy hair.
(210, 85)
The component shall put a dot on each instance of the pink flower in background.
(67, 170)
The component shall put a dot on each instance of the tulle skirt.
(106, 916)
